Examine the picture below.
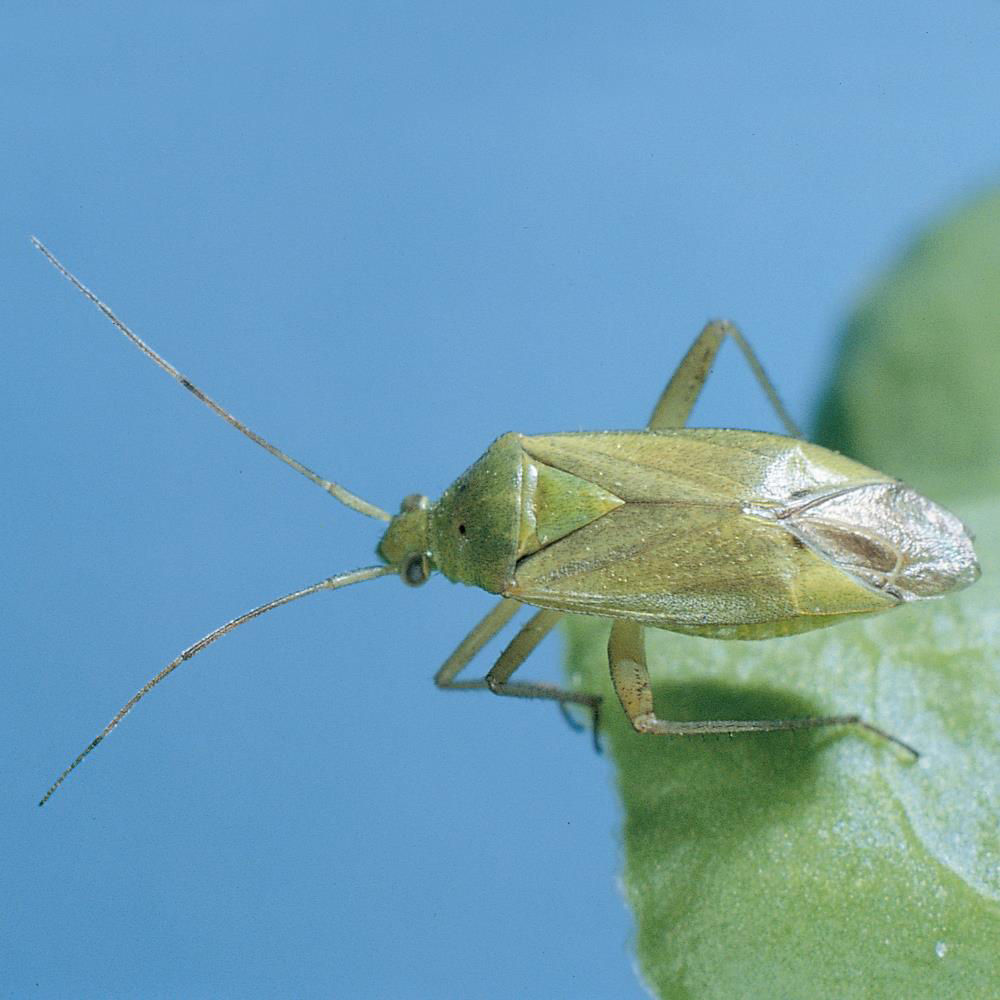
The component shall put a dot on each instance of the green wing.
(681, 553)
(703, 465)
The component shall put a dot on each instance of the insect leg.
(630, 675)
(674, 406)
(511, 658)
(518, 650)
(471, 644)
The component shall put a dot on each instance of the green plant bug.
(727, 534)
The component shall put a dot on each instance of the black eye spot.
(461, 529)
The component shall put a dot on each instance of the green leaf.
(916, 388)
(825, 863)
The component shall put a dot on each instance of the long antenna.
(334, 489)
(331, 583)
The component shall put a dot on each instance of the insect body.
(622, 524)
(720, 533)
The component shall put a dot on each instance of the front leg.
(517, 651)
(520, 648)
(472, 644)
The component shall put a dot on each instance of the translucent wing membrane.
(892, 537)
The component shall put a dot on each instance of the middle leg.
(519, 649)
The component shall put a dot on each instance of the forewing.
(697, 465)
(678, 564)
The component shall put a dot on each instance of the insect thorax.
(505, 507)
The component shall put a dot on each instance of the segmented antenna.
(334, 489)
(331, 583)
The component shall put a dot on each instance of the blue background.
(382, 234)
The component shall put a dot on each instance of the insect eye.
(461, 530)
(416, 571)
(415, 501)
